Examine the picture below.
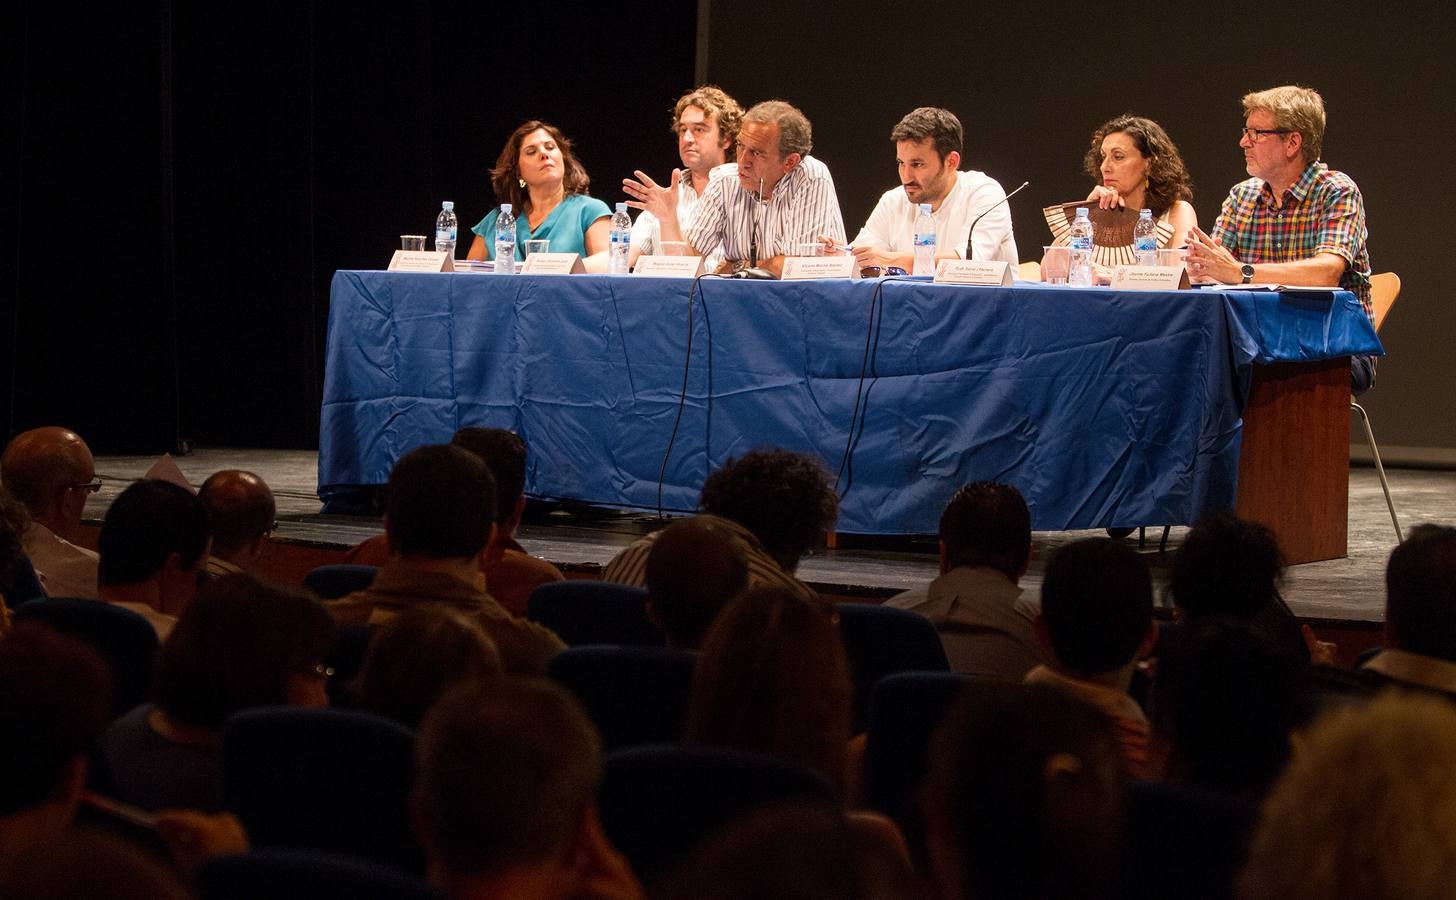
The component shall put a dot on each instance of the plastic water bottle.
(446, 227)
(1145, 239)
(617, 263)
(505, 241)
(924, 242)
(1080, 243)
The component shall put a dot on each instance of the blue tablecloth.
(1103, 408)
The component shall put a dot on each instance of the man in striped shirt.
(781, 198)
(1296, 221)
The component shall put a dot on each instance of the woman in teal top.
(547, 189)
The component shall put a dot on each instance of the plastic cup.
(1056, 264)
(810, 248)
(673, 248)
(1172, 256)
(412, 242)
(537, 246)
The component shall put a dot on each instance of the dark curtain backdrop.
(1032, 81)
(184, 179)
(187, 177)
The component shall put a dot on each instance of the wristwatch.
(1248, 271)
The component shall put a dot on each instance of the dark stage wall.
(1032, 81)
(188, 177)
(183, 181)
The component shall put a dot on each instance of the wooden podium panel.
(1294, 466)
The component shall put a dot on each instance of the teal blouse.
(565, 226)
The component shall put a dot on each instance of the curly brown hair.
(505, 178)
(718, 106)
(1168, 180)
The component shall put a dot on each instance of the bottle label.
(1079, 243)
(925, 240)
(1145, 244)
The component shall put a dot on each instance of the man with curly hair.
(776, 502)
(705, 121)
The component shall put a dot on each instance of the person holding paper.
(706, 122)
(547, 188)
(1137, 166)
(1296, 221)
(928, 145)
(782, 196)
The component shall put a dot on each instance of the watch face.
(1247, 270)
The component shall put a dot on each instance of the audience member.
(84, 863)
(777, 502)
(505, 799)
(511, 574)
(153, 546)
(240, 644)
(928, 146)
(781, 197)
(1420, 614)
(705, 122)
(1096, 622)
(18, 582)
(773, 679)
(51, 471)
(1231, 568)
(418, 656)
(693, 570)
(1023, 799)
(243, 516)
(797, 852)
(546, 186)
(55, 699)
(984, 618)
(1367, 808)
(440, 523)
(1225, 701)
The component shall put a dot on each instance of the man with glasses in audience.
(782, 197)
(51, 471)
(243, 516)
(706, 122)
(1296, 221)
(928, 146)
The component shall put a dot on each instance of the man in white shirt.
(52, 472)
(928, 145)
(782, 197)
(706, 123)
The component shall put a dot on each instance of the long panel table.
(1104, 408)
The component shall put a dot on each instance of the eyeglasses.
(1252, 135)
(89, 487)
(320, 671)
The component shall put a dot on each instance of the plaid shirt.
(1322, 212)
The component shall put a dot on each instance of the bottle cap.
(505, 207)
(1081, 212)
(1146, 212)
(622, 207)
(448, 204)
(924, 207)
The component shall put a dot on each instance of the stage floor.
(1350, 589)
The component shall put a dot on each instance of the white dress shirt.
(891, 227)
(64, 569)
(647, 231)
(803, 206)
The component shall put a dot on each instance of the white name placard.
(420, 261)
(668, 266)
(552, 264)
(1149, 278)
(803, 268)
(973, 271)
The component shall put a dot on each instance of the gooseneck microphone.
(983, 215)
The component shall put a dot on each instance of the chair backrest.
(1029, 271)
(882, 640)
(322, 779)
(904, 711)
(1183, 842)
(634, 695)
(1384, 289)
(594, 612)
(339, 580)
(346, 658)
(125, 640)
(658, 803)
(305, 875)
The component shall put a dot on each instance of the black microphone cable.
(856, 419)
(682, 398)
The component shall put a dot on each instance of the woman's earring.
(521, 181)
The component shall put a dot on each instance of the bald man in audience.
(243, 515)
(52, 472)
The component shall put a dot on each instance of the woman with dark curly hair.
(546, 186)
(1136, 166)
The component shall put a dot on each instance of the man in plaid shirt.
(1296, 221)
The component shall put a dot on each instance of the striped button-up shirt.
(1322, 212)
(803, 206)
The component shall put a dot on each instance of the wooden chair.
(1384, 289)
